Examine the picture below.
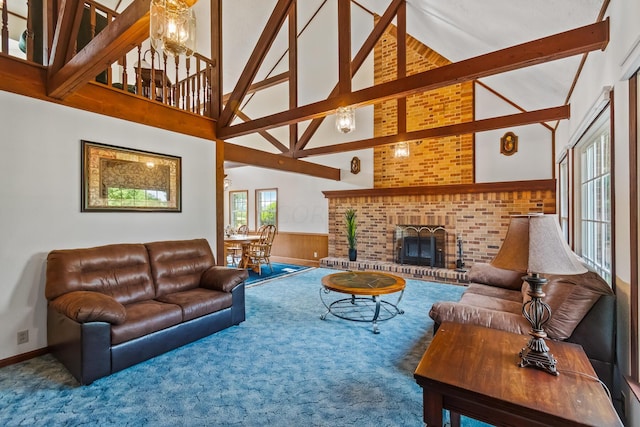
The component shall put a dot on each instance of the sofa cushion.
(570, 298)
(491, 302)
(144, 318)
(198, 302)
(178, 265)
(487, 274)
(495, 292)
(85, 306)
(120, 271)
(446, 311)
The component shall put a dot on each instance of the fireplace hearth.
(423, 245)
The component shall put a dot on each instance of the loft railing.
(183, 83)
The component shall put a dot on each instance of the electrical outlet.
(315, 254)
(23, 337)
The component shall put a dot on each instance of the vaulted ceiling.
(456, 29)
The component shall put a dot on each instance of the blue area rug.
(283, 366)
(279, 270)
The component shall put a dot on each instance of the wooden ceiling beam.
(344, 46)
(121, 35)
(357, 62)
(250, 156)
(264, 84)
(66, 33)
(263, 133)
(569, 43)
(252, 66)
(518, 119)
(293, 70)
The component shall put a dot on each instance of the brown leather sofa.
(582, 310)
(110, 307)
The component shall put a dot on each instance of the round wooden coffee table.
(365, 303)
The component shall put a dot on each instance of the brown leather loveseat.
(110, 307)
(582, 310)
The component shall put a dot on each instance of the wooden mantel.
(486, 187)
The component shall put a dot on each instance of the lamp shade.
(534, 243)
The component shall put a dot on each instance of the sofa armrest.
(445, 311)
(87, 306)
(223, 279)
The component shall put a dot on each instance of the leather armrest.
(87, 306)
(223, 279)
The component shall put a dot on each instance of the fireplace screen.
(421, 245)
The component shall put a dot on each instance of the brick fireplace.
(478, 214)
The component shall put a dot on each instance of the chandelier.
(345, 119)
(172, 27)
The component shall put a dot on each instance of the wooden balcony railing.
(183, 83)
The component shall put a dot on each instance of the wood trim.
(129, 29)
(24, 356)
(401, 54)
(612, 182)
(300, 246)
(344, 46)
(264, 84)
(488, 187)
(569, 43)
(66, 32)
(293, 70)
(219, 196)
(357, 62)
(634, 198)
(250, 156)
(518, 119)
(252, 66)
(216, 57)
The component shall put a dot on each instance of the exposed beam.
(263, 44)
(250, 156)
(264, 84)
(569, 43)
(293, 70)
(127, 31)
(401, 47)
(263, 133)
(518, 119)
(344, 46)
(357, 62)
(216, 57)
(65, 34)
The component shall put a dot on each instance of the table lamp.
(534, 243)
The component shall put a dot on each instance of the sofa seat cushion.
(144, 318)
(198, 302)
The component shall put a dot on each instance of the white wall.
(603, 71)
(534, 159)
(40, 201)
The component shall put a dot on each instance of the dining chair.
(260, 251)
(234, 249)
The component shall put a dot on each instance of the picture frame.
(119, 179)
(509, 144)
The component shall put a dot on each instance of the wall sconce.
(172, 27)
(345, 119)
(401, 150)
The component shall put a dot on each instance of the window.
(594, 218)
(563, 197)
(238, 208)
(266, 207)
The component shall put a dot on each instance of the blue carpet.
(283, 366)
(279, 270)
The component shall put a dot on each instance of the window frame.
(232, 216)
(258, 209)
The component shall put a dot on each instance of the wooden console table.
(474, 371)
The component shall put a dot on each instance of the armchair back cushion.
(178, 265)
(120, 271)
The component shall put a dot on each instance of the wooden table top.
(241, 238)
(364, 283)
(481, 364)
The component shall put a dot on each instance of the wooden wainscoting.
(300, 248)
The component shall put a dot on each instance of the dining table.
(245, 241)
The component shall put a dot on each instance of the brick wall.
(479, 218)
(432, 161)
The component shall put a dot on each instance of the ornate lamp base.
(536, 353)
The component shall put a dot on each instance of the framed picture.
(125, 180)
(509, 144)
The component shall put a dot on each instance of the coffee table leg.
(376, 314)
